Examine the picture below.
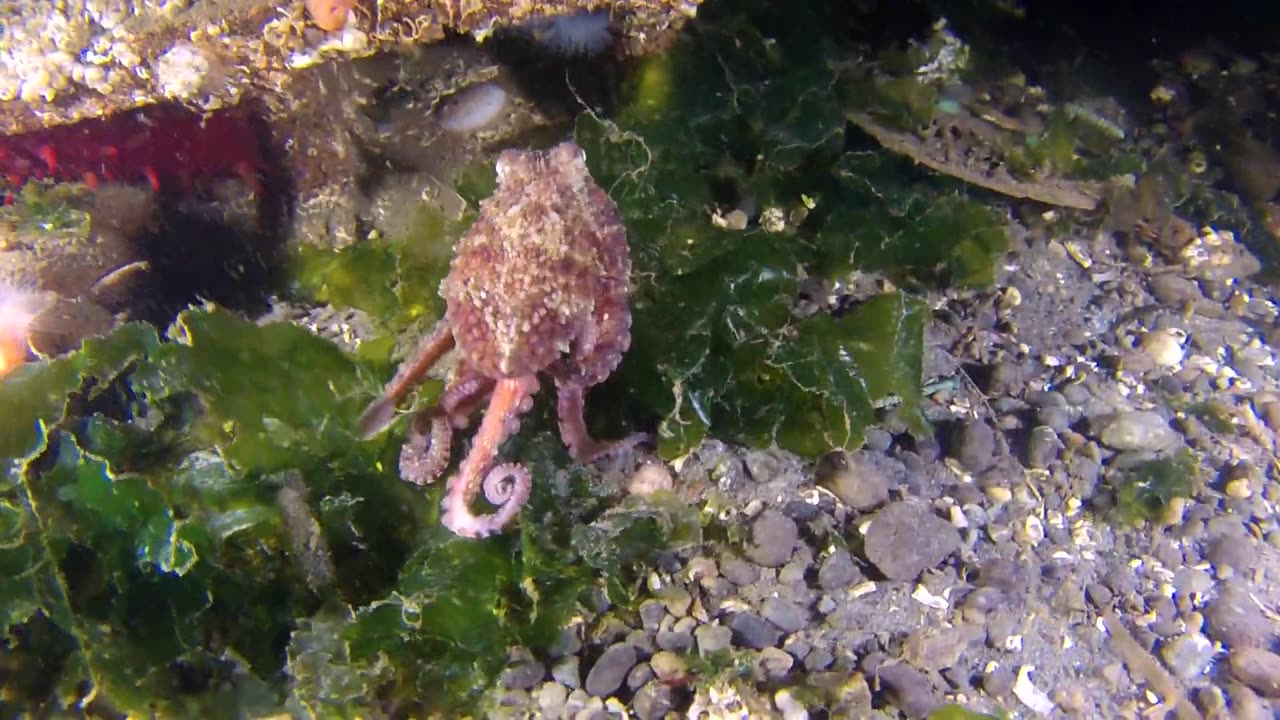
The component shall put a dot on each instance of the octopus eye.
(568, 153)
(508, 161)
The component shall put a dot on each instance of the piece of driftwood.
(992, 176)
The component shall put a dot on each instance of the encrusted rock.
(214, 54)
(906, 538)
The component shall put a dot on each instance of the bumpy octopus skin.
(538, 285)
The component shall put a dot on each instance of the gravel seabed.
(982, 566)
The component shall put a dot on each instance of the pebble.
(909, 689)
(999, 681)
(1237, 551)
(1042, 447)
(934, 649)
(566, 672)
(1077, 394)
(854, 479)
(983, 600)
(738, 571)
(712, 639)
(773, 536)
(650, 478)
(838, 571)
(773, 664)
(789, 706)
(653, 701)
(1257, 668)
(1136, 430)
(1246, 705)
(523, 675)
(667, 666)
(1188, 580)
(676, 599)
(551, 698)
(975, 446)
(1056, 418)
(751, 630)
(818, 660)
(1235, 621)
(1172, 289)
(639, 676)
(610, 670)
(1163, 346)
(905, 538)
(878, 439)
(651, 614)
(677, 639)
(1189, 655)
(786, 615)
(569, 642)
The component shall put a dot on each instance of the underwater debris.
(310, 550)
(1080, 195)
(514, 320)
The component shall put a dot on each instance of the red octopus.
(539, 285)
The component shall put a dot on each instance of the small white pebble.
(863, 588)
(923, 596)
(790, 708)
(650, 478)
(1028, 694)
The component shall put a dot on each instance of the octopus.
(538, 287)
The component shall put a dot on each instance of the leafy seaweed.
(957, 712)
(394, 280)
(1144, 491)
(189, 527)
(46, 209)
(737, 118)
(138, 522)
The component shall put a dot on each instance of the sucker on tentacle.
(426, 450)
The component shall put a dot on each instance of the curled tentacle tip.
(506, 486)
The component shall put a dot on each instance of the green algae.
(44, 209)
(1145, 490)
(146, 547)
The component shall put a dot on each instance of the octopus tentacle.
(429, 439)
(570, 402)
(425, 453)
(509, 397)
(379, 415)
(507, 487)
(460, 399)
